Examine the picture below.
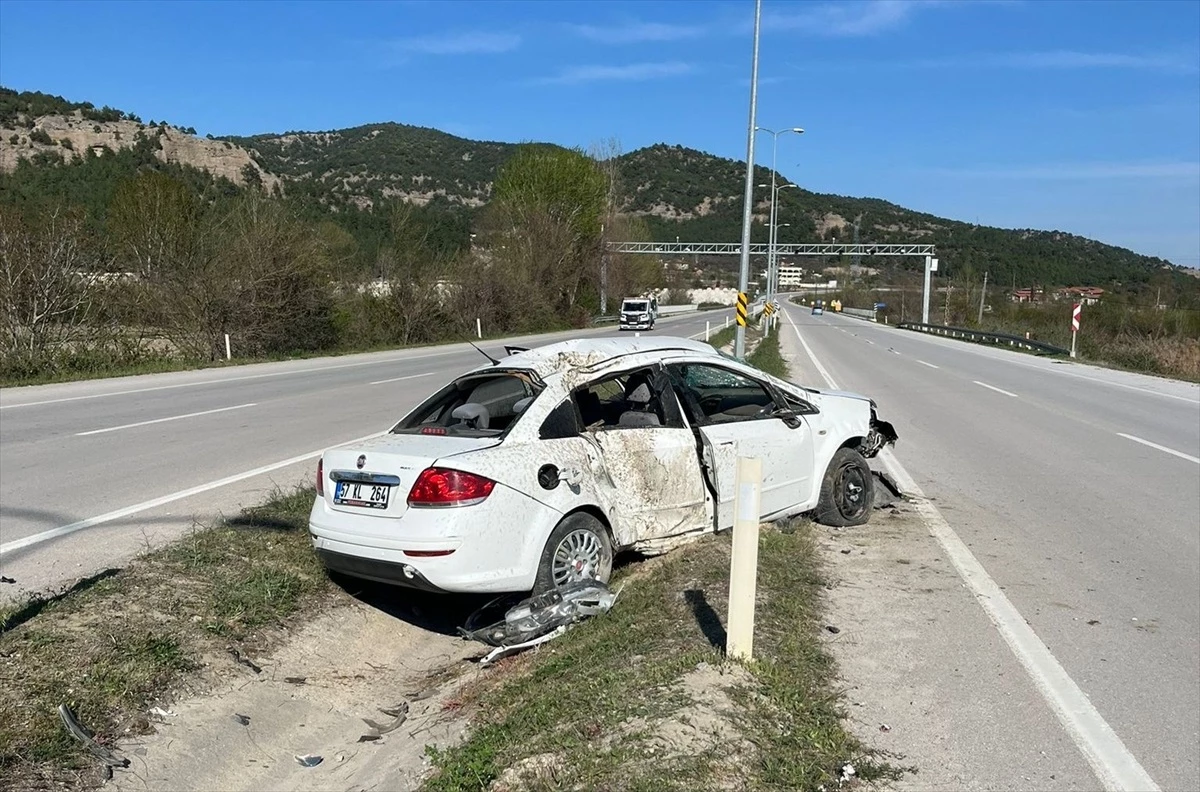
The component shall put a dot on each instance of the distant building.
(1088, 295)
(790, 276)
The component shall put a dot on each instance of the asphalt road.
(104, 451)
(1078, 491)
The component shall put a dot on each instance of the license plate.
(355, 493)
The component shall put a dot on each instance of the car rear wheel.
(847, 491)
(578, 549)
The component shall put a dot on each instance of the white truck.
(638, 313)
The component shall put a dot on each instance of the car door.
(738, 415)
(645, 460)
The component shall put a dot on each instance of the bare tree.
(45, 271)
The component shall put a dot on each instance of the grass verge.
(643, 699)
(115, 645)
(767, 356)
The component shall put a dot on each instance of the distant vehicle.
(638, 313)
(531, 472)
(818, 310)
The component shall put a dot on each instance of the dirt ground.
(312, 698)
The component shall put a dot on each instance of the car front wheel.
(578, 549)
(847, 491)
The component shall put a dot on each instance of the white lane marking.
(966, 346)
(1171, 451)
(54, 533)
(923, 363)
(998, 390)
(164, 420)
(869, 341)
(1114, 765)
(398, 379)
(222, 381)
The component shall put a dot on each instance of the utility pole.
(603, 273)
(982, 298)
(739, 345)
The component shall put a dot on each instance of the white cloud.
(849, 18)
(633, 72)
(462, 43)
(637, 32)
(1052, 60)
(1079, 171)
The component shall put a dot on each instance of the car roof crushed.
(595, 353)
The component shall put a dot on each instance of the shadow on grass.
(444, 613)
(39, 603)
(707, 617)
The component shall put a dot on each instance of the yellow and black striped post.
(741, 309)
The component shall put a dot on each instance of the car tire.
(847, 491)
(581, 542)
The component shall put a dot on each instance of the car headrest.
(474, 415)
(640, 394)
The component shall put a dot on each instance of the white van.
(638, 313)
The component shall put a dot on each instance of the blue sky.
(1078, 116)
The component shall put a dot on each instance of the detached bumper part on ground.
(538, 619)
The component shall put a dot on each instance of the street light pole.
(773, 272)
(771, 236)
(739, 346)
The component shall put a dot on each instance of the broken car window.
(718, 395)
(477, 406)
(628, 399)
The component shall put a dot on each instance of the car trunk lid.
(379, 487)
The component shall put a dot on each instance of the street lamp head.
(798, 130)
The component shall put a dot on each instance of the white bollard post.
(743, 563)
(726, 321)
(707, 326)
(478, 328)
(228, 352)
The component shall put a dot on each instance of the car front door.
(645, 461)
(737, 415)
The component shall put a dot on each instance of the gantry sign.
(762, 248)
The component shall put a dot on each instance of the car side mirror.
(788, 416)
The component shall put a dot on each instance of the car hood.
(841, 394)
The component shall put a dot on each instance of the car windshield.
(482, 405)
(635, 306)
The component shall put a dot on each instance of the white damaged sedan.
(531, 472)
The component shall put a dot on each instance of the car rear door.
(737, 416)
(645, 461)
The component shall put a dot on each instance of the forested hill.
(51, 150)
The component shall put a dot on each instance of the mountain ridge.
(678, 191)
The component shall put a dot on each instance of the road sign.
(741, 309)
(1075, 312)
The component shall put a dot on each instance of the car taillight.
(442, 487)
(321, 477)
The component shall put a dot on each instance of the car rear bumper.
(494, 546)
(396, 574)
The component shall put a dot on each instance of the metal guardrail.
(980, 336)
(859, 313)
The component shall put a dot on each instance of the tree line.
(156, 265)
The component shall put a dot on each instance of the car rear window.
(478, 406)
